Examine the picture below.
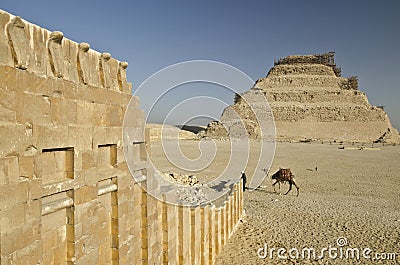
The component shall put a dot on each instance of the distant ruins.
(310, 101)
(66, 194)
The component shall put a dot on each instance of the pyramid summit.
(309, 99)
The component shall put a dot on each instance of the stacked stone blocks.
(309, 101)
(67, 196)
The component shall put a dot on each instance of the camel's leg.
(279, 186)
(290, 187)
(297, 187)
(273, 185)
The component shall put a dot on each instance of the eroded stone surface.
(67, 196)
(309, 100)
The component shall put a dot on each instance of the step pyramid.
(310, 100)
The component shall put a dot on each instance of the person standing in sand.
(244, 178)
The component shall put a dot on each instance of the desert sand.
(354, 194)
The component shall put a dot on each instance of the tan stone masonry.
(66, 195)
(309, 100)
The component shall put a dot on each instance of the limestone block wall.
(289, 82)
(327, 59)
(168, 132)
(66, 195)
(196, 235)
(299, 69)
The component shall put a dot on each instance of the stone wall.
(309, 100)
(327, 59)
(66, 195)
(196, 235)
(160, 132)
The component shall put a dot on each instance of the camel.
(283, 175)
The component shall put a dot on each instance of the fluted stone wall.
(195, 235)
(66, 195)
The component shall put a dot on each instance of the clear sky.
(151, 35)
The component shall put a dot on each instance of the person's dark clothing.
(244, 178)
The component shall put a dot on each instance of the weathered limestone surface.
(309, 100)
(168, 132)
(66, 195)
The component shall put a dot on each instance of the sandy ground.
(354, 194)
